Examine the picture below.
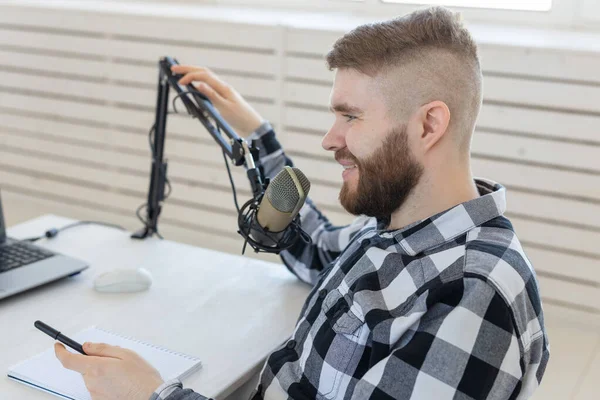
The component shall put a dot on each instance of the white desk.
(227, 310)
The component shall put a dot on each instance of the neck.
(435, 194)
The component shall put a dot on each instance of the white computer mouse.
(123, 280)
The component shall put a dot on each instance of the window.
(526, 5)
(564, 14)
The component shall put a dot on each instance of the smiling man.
(428, 293)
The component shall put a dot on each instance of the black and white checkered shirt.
(446, 308)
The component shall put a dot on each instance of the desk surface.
(228, 310)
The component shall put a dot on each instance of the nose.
(334, 139)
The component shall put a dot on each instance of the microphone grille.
(282, 191)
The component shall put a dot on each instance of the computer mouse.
(123, 281)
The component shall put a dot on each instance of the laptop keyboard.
(18, 254)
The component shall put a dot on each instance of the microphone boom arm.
(200, 107)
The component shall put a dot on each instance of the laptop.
(24, 265)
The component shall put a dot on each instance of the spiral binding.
(153, 346)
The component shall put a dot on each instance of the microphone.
(272, 223)
(283, 199)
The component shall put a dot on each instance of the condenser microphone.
(283, 199)
(274, 225)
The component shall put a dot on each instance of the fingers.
(75, 362)
(204, 75)
(209, 92)
(105, 350)
(184, 69)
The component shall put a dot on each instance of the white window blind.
(526, 5)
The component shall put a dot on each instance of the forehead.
(355, 88)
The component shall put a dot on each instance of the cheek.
(359, 145)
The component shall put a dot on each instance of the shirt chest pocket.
(342, 314)
(341, 340)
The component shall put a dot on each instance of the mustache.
(344, 154)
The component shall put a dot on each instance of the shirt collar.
(449, 224)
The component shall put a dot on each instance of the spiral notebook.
(45, 372)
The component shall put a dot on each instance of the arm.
(328, 241)
(172, 390)
(465, 350)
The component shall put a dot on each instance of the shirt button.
(322, 293)
(291, 344)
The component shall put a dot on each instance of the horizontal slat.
(306, 93)
(557, 237)
(136, 50)
(254, 87)
(257, 88)
(164, 27)
(568, 155)
(316, 120)
(569, 265)
(560, 313)
(308, 68)
(540, 63)
(540, 122)
(316, 43)
(568, 292)
(97, 69)
(308, 143)
(539, 178)
(250, 87)
(556, 209)
(100, 113)
(560, 95)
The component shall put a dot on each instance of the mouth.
(349, 171)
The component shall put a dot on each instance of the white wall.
(77, 94)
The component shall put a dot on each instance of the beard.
(385, 179)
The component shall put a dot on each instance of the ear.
(435, 118)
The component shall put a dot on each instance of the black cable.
(167, 182)
(235, 201)
(195, 93)
(53, 232)
(137, 213)
(150, 142)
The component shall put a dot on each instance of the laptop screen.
(2, 229)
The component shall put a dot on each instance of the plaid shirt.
(445, 308)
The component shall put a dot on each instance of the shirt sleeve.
(306, 261)
(465, 348)
(181, 394)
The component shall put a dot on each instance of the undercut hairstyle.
(421, 57)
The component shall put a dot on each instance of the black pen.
(56, 335)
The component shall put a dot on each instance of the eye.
(350, 117)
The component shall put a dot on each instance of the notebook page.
(44, 370)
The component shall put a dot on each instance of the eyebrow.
(345, 108)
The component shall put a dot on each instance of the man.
(428, 294)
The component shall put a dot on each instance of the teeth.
(349, 166)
